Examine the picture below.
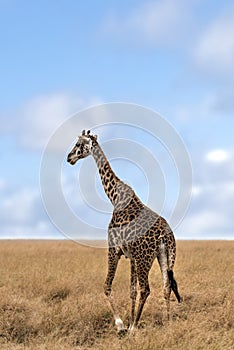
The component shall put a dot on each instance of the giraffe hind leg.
(163, 263)
(166, 288)
(142, 276)
(133, 291)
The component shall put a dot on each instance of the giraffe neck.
(108, 177)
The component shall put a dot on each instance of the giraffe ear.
(95, 137)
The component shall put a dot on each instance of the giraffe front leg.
(133, 292)
(113, 259)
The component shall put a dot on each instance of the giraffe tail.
(173, 284)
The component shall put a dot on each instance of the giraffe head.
(82, 148)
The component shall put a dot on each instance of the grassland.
(51, 297)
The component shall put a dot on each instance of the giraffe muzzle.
(70, 159)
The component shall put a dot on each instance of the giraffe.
(135, 231)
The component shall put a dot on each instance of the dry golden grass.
(51, 298)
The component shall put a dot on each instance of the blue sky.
(173, 56)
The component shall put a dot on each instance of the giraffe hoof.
(131, 330)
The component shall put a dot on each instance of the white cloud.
(210, 215)
(40, 230)
(2, 184)
(215, 47)
(41, 116)
(218, 156)
(19, 206)
(34, 123)
(224, 102)
(206, 224)
(22, 214)
(196, 190)
(153, 22)
(210, 202)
